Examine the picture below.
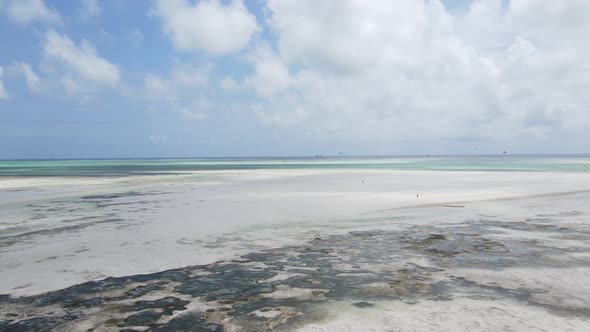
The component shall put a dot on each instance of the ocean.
(130, 167)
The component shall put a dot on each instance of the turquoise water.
(127, 167)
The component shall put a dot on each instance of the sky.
(188, 78)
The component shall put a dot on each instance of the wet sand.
(309, 250)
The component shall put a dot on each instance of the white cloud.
(156, 88)
(184, 91)
(27, 11)
(80, 63)
(385, 71)
(271, 74)
(31, 77)
(89, 8)
(208, 25)
(184, 81)
(3, 93)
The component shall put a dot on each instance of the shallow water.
(127, 167)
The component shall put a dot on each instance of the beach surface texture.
(296, 249)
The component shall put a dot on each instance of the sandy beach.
(458, 250)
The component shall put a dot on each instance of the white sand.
(460, 314)
(205, 216)
(566, 287)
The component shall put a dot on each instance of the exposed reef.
(280, 289)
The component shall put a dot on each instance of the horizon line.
(318, 156)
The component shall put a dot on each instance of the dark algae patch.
(363, 304)
(143, 318)
(282, 288)
(81, 214)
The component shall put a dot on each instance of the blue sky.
(180, 78)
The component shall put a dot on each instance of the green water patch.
(131, 167)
